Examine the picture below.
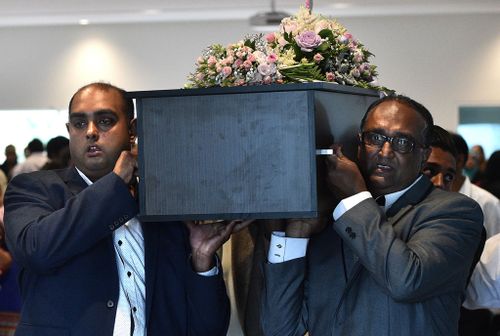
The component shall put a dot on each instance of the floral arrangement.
(308, 47)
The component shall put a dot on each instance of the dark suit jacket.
(60, 232)
(370, 273)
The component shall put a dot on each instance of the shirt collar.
(85, 178)
(391, 198)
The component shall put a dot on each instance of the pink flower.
(355, 73)
(270, 38)
(308, 40)
(282, 42)
(358, 57)
(266, 69)
(237, 63)
(330, 76)
(251, 58)
(200, 60)
(267, 80)
(271, 58)
(200, 76)
(290, 27)
(318, 57)
(226, 71)
(247, 64)
(211, 60)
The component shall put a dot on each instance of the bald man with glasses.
(395, 255)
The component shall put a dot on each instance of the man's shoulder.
(483, 196)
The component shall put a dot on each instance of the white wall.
(443, 61)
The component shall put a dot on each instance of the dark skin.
(101, 141)
(381, 170)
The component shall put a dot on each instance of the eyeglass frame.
(390, 140)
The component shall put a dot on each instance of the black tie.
(380, 200)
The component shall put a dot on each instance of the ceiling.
(58, 12)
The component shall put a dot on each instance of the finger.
(338, 152)
(240, 225)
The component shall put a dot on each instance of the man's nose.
(92, 131)
(438, 180)
(386, 149)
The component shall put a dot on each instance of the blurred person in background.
(35, 160)
(492, 174)
(57, 153)
(10, 161)
(475, 165)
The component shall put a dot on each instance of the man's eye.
(377, 138)
(449, 177)
(402, 141)
(106, 121)
(79, 124)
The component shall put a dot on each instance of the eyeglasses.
(400, 144)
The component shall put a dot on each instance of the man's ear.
(132, 130)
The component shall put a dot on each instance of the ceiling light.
(83, 22)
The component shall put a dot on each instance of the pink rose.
(270, 38)
(266, 69)
(211, 60)
(308, 40)
(318, 57)
(330, 76)
(271, 58)
(238, 63)
(226, 71)
(282, 42)
(251, 58)
(247, 64)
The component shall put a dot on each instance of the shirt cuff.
(350, 202)
(213, 271)
(283, 248)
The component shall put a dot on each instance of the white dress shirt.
(484, 286)
(488, 202)
(128, 241)
(282, 248)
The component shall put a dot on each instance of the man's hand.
(344, 177)
(206, 239)
(126, 166)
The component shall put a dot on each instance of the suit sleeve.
(433, 258)
(208, 304)
(45, 228)
(284, 312)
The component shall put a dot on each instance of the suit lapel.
(73, 180)
(398, 210)
(411, 197)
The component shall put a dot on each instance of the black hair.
(414, 105)
(441, 138)
(461, 145)
(493, 167)
(35, 145)
(55, 145)
(127, 102)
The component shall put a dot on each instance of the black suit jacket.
(60, 232)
